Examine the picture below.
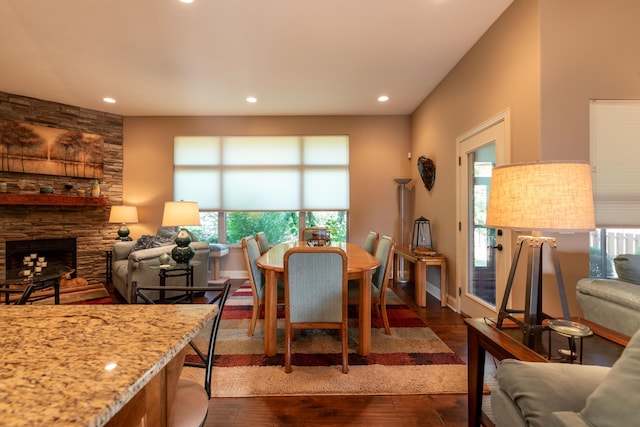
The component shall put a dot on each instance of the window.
(614, 149)
(245, 184)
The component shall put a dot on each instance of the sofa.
(613, 303)
(134, 261)
(567, 395)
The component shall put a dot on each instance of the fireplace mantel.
(35, 199)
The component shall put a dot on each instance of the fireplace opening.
(57, 252)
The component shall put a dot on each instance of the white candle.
(34, 256)
(41, 258)
(44, 264)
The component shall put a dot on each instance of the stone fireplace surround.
(87, 224)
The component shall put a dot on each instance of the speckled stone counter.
(53, 358)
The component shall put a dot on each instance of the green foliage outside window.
(278, 226)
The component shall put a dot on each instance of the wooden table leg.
(421, 283)
(443, 284)
(475, 378)
(270, 312)
(364, 312)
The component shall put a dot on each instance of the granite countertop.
(53, 358)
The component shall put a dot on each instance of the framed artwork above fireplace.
(27, 148)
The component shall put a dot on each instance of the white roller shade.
(615, 154)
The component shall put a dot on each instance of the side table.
(109, 264)
(483, 338)
(25, 286)
(572, 331)
(176, 270)
(420, 275)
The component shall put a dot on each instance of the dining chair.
(251, 252)
(371, 243)
(263, 242)
(379, 281)
(191, 402)
(315, 293)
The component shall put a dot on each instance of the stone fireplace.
(87, 225)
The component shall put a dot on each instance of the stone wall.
(89, 225)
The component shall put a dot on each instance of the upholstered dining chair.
(315, 293)
(263, 242)
(251, 252)
(371, 242)
(191, 403)
(379, 281)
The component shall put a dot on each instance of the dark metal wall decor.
(427, 170)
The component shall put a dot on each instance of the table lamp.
(552, 196)
(180, 214)
(122, 215)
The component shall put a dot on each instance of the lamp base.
(123, 233)
(183, 253)
(531, 325)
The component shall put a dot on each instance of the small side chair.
(191, 403)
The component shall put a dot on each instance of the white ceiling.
(298, 57)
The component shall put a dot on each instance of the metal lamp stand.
(531, 326)
(402, 182)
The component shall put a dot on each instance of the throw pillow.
(166, 233)
(628, 268)
(146, 242)
(616, 400)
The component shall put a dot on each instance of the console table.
(421, 262)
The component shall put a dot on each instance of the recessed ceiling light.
(252, 99)
(186, 1)
(109, 100)
(383, 98)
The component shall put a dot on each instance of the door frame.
(502, 157)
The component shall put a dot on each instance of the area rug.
(412, 360)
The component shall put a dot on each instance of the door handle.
(498, 246)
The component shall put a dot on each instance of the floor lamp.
(402, 182)
(551, 196)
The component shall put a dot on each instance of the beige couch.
(137, 266)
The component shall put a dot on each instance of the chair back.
(315, 285)
(251, 253)
(384, 255)
(207, 358)
(263, 242)
(371, 243)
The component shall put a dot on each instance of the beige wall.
(500, 72)
(543, 60)
(378, 151)
(589, 51)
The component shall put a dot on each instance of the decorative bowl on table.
(46, 190)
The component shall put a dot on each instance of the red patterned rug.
(412, 360)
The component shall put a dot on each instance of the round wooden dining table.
(360, 265)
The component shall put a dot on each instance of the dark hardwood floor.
(412, 410)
